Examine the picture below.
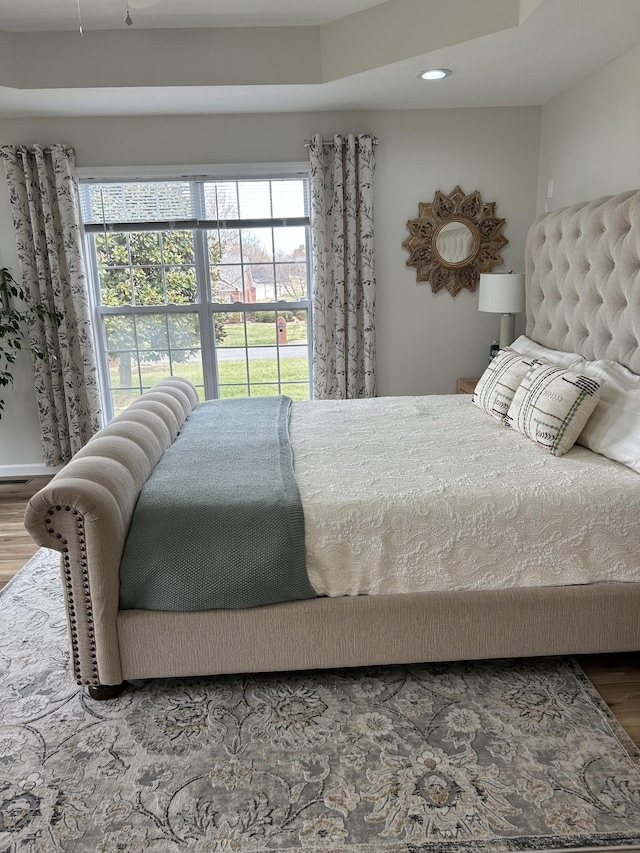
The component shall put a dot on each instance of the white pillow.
(614, 427)
(497, 385)
(552, 405)
(526, 346)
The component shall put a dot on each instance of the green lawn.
(232, 376)
(261, 334)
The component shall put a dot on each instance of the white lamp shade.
(502, 292)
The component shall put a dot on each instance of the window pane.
(214, 248)
(118, 247)
(177, 247)
(266, 363)
(148, 358)
(262, 328)
(124, 370)
(120, 333)
(255, 199)
(229, 246)
(221, 200)
(263, 364)
(115, 376)
(291, 281)
(144, 247)
(156, 357)
(210, 200)
(112, 249)
(227, 391)
(182, 285)
(158, 364)
(265, 390)
(297, 329)
(294, 366)
(288, 198)
(122, 399)
(229, 330)
(231, 355)
(115, 287)
(184, 331)
(188, 364)
(232, 366)
(290, 244)
(257, 245)
(154, 366)
(152, 332)
(227, 284)
(296, 392)
(259, 283)
(148, 287)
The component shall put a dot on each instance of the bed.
(515, 588)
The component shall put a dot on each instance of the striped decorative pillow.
(497, 385)
(552, 405)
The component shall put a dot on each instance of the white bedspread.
(407, 494)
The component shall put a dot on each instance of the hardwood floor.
(616, 677)
(16, 546)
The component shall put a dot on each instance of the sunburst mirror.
(454, 239)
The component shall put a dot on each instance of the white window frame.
(205, 308)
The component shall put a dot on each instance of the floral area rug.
(475, 757)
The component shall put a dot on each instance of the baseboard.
(33, 470)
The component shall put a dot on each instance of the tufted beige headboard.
(583, 279)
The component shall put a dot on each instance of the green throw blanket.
(220, 523)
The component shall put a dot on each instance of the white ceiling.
(351, 54)
(33, 15)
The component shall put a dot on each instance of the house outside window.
(200, 277)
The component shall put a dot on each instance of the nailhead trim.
(77, 608)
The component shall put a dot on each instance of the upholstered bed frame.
(583, 279)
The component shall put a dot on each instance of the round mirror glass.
(455, 243)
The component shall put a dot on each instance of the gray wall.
(425, 341)
(590, 136)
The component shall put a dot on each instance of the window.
(202, 278)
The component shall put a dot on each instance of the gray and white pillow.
(551, 406)
(497, 385)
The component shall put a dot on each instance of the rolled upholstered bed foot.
(106, 691)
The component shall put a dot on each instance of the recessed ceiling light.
(434, 74)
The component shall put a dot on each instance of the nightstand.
(466, 386)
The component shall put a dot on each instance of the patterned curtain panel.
(43, 192)
(343, 267)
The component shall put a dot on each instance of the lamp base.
(507, 329)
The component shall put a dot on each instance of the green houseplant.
(13, 325)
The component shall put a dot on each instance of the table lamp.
(503, 293)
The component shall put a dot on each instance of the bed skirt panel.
(368, 630)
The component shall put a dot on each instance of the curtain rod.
(307, 142)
